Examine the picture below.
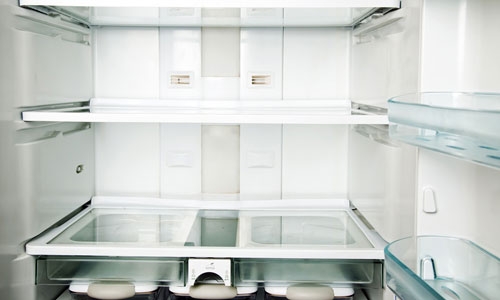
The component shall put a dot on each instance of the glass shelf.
(214, 12)
(213, 112)
(184, 232)
(274, 242)
(464, 125)
(432, 267)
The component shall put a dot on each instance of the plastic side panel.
(384, 63)
(385, 60)
(55, 176)
(382, 185)
(47, 62)
(460, 46)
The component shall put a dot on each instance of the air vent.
(261, 80)
(180, 80)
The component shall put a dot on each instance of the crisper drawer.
(286, 272)
(71, 269)
(246, 244)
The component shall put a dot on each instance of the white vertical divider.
(315, 66)
(180, 144)
(261, 55)
(260, 162)
(127, 155)
(260, 145)
(180, 56)
(180, 160)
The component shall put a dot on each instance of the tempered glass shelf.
(197, 13)
(443, 268)
(464, 125)
(240, 232)
(213, 112)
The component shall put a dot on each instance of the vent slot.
(261, 80)
(180, 80)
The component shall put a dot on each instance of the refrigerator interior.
(50, 169)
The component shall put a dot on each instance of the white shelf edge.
(40, 116)
(213, 112)
(214, 252)
(218, 3)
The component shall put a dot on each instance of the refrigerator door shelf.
(309, 111)
(218, 229)
(464, 125)
(433, 267)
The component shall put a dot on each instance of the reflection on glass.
(215, 228)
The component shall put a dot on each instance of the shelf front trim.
(218, 3)
(216, 112)
(41, 116)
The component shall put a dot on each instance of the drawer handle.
(309, 292)
(212, 291)
(111, 290)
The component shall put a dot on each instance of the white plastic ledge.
(218, 3)
(214, 112)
